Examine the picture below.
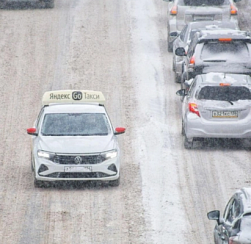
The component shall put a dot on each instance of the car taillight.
(225, 39)
(192, 60)
(233, 10)
(194, 108)
(174, 10)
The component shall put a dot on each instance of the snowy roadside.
(153, 132)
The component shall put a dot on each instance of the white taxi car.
(73, 139)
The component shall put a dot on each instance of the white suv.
(181, 12)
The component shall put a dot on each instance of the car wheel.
(177, 78)
(38, 183)
(174, 64)
(49, 4)
(182, 129)
(188, 144)
(169, 44)
(115, 182)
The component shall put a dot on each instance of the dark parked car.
(26, 4)
(227, 51)
(235, 225)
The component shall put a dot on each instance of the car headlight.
(46, 155)
(110, 154)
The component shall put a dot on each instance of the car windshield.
(203, 2)
(224, 93)
(213, 51)
(75, 124)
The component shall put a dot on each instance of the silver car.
(186, 35)
(181, 12)
(235, 224)
(73, 140)
(216, 105)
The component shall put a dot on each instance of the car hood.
(77, 144)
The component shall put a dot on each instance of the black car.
(227, 51)
(235, 225)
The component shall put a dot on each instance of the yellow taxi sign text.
(73, 96)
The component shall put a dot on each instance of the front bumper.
(46, 170)
(198, 127)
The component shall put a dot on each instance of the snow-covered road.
(118, 47)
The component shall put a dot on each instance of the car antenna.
(224, 75)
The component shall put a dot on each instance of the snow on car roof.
(212, 25)
(73, 96)
(223, 33)
(233, 79)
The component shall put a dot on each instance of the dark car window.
(183, 33)
(69, 124)
(224, 51)
(203, 2)
(224, 93)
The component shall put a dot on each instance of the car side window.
(191, 88)
(38, 121)
(183, 33)
(233, 211)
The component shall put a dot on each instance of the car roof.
(223, 33)
(209, 25)
(245, 194)
(74, 108)
(217, 78)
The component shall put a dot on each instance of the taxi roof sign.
(73, 96)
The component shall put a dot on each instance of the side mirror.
(32, 131)
(181, 92)
(180, 51)
(119, 130)
(214, 215)
(174, 34)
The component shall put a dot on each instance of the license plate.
(202, 17)
(225, 114)
(78, 169)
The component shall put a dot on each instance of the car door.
(230, 217)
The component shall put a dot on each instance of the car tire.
(182, 129)
(169, 44)
(188, 144)
(177, 78)
(49, 4)
(38, 183)
(114, 182)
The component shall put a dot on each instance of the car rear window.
(224, 93)
(202, 2)
(225, 51)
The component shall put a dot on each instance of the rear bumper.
(197, 127)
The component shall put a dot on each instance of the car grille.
(66, 175)
(78, 159)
